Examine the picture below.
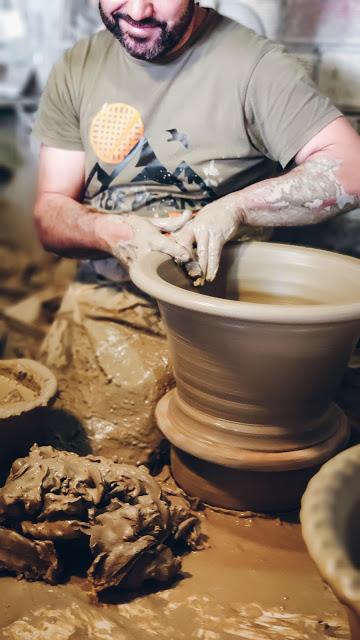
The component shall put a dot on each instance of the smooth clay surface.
(258, 357)
(266, 492)
(330, 517)
(254, 581)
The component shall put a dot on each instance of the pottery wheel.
(237, 478)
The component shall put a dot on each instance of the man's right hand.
(128, 237)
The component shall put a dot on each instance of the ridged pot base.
(243, 479)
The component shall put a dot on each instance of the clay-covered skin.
(130, 523)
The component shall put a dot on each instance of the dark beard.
(136, 47)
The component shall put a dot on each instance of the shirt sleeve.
(57, 119)
(283, 108)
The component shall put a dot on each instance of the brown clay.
(26, 389)
(127, 523)
(265, 492)
(255, 381)
(254, 581)
(108, 350)
(354, 621)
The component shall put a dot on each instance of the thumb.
(173, 249)
(186, 238)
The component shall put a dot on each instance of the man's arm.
(325, 182)
(69, 228)
(64, 225)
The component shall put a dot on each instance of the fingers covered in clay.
(145, 237)
(209, 231)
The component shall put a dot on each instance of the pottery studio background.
(325, 36)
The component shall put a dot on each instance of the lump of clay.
(31, 559)
(130, 524)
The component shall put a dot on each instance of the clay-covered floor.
(255, 581)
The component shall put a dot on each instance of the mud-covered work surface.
(254, 582)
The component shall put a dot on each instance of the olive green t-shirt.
(212, 118)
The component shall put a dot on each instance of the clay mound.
(130, 525)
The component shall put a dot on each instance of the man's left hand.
(212, 227)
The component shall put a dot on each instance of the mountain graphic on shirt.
(152, 170)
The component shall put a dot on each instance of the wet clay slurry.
(253, 582)
(108, 350)
(12, 391)
(24, 385)
(255, 381)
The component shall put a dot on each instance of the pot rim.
(145, 275)
(45, 378)
(317, 515)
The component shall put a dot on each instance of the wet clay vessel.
(258, 356)
(26, 389)
(330, 520)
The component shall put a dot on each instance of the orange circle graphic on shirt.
(115, 131)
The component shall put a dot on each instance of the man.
(175, 108)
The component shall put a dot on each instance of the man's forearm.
(71, 229)
(308, 194)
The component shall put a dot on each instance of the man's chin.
(142, 49)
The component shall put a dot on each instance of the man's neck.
(198, 18)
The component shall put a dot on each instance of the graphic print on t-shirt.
(115, 131)
(117, 136)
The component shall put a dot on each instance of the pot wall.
(275, 375)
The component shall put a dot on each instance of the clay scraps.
(133, 529)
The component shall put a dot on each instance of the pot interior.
(17, 387)
(271, 274)
(24, 385)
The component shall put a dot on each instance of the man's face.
(147, 29)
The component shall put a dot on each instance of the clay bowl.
(26, 389)
(258, 356)
(330, 519)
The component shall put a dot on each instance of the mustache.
(146, 22)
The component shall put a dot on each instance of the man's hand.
(128, 237)
(215, 225)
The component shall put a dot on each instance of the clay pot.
(26, 389)
(330, 519)
(258, 356)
